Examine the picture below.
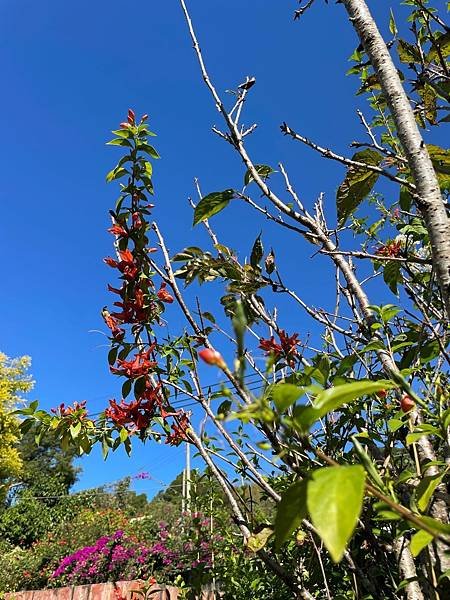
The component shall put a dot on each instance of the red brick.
(81, 592)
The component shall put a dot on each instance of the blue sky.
(70, 70)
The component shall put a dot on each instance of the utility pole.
(183, 493)
(188, 478)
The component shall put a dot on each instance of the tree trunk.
(430, 201)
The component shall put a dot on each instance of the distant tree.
(14, 382)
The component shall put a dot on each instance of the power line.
(179, 401)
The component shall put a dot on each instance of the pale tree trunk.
(429, 201)
(408, 569)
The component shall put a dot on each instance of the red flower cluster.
(126, 265)
(287, 348)
(139, 302)
(78, 409)
(137, 413)
(390, 249)
(134, 310)
(180, 427)
(138, 367)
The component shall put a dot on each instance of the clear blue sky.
(69, 71)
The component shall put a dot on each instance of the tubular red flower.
(179, 433)
(119, 230)
(138, 367)
(164, 295)
(390, 249)
(287, 347)
(112, 323)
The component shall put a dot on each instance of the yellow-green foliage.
(14, 382)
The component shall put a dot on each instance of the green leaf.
(285, 394)
(358, 183)
(429, 351)
(425, 490)
(388, 312)
(75, 430)
(148, 150)
(269, 262)
(334, 500)
(442, 44)
(408, 53)
(291, 511)
(123, 434)
(405, 200)
(112, 355)
(257, 252)
(263, 171)
(435, 525)
(211, 205)
(224, 408)
(419, 541)
(334, 397)
(429, 98)
(126, 388)
(119, 142)
(257, 541)
(116, 173)
(394, 424)
(368, 464)
(392, 275)
(392, 26)
(441, 163)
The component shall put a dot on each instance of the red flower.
(270, 346)
(287, 347)
(390, 249)
(111, 262)
(179, 433)
(125, 125)
(212, 357)
(289, 343)
(138, 367)
(164, 295)
(112, 323)
(137, 413)
(133, 310)
(126, 265)
(117, 229)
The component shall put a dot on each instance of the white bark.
(430, 199)
(407, 569)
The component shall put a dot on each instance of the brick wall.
(104, 591)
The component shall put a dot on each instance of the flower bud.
(407, 403)
(125, 125)
(212, 357)
(131, 117)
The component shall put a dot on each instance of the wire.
(179, 401)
